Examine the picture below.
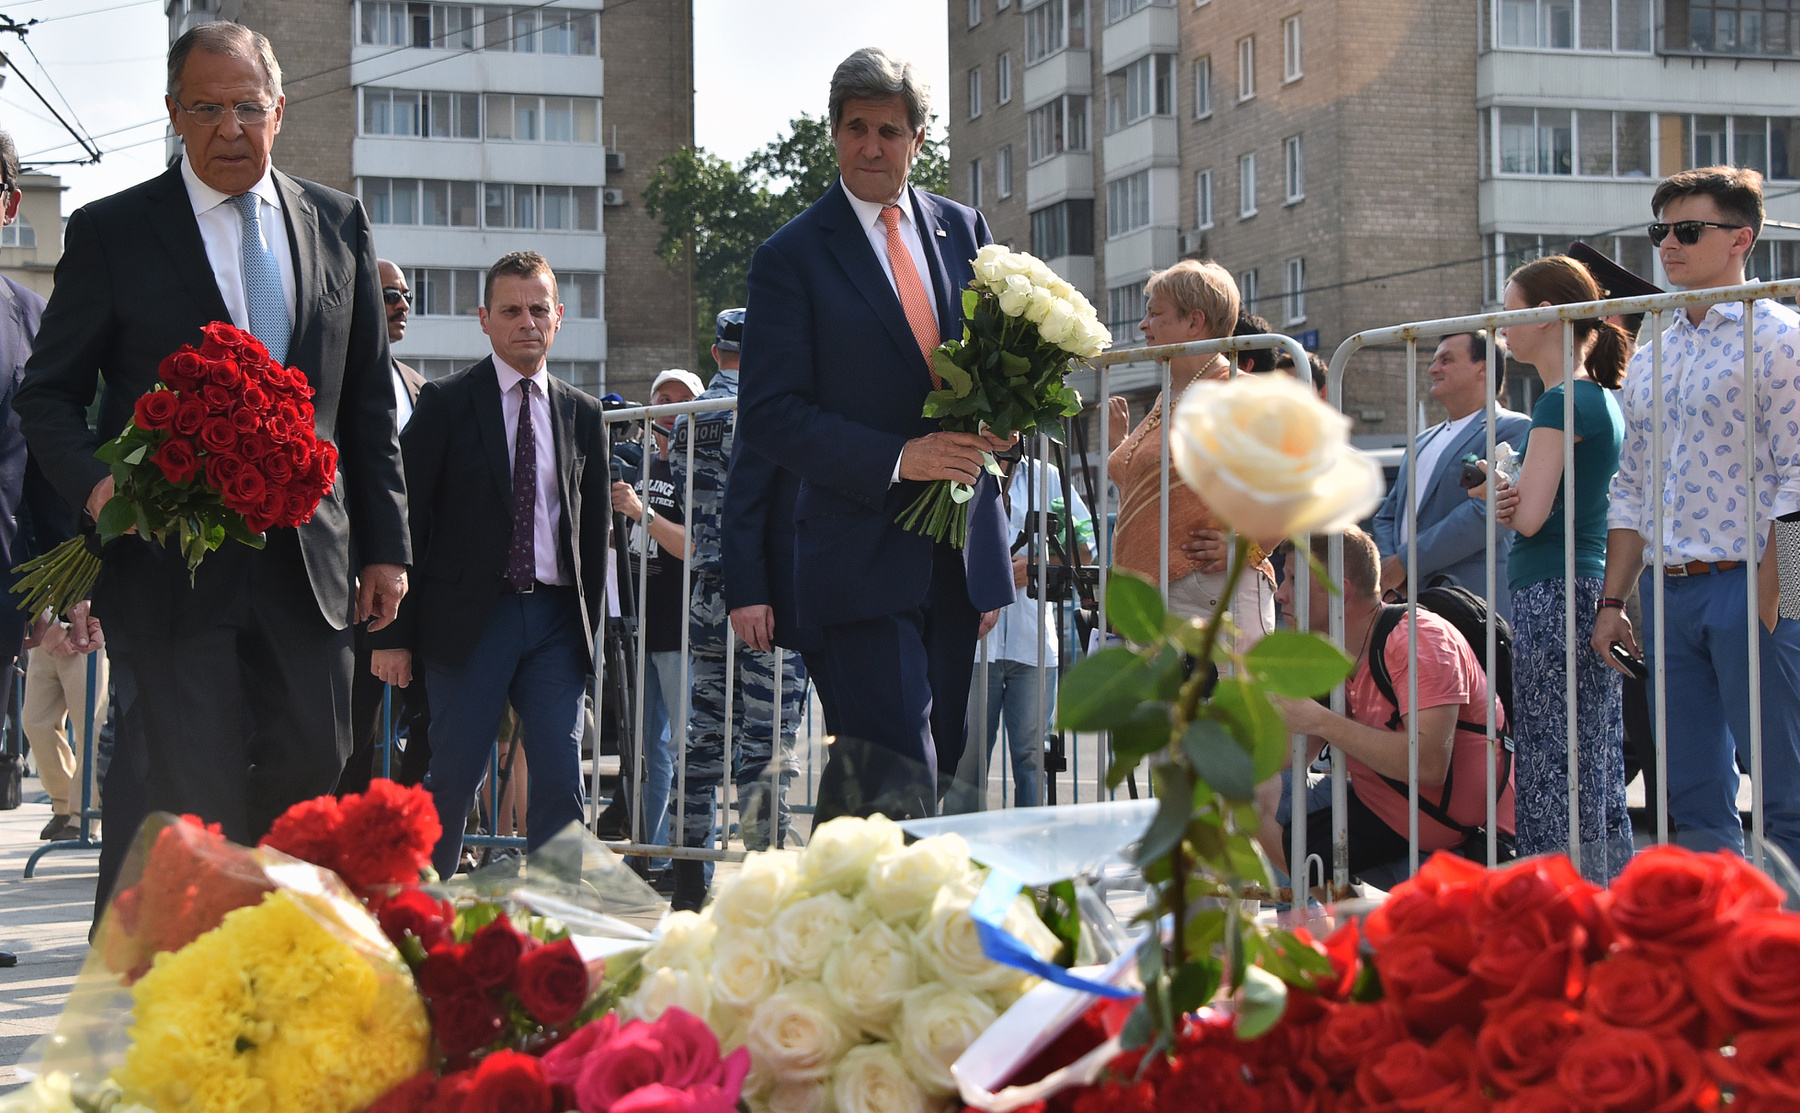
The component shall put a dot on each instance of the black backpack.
(1468, 613)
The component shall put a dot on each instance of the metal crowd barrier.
(90, 810)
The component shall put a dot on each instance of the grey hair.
(9, 164)
(232, 40)
(873, 74)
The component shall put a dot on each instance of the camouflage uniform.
(753, 676)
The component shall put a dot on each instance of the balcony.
(1134, 255)
(1152, 141)
(1070, 174)
(1077, 271)
(1067, 71)
(1152, 30)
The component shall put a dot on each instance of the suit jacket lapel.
(180, 235)
(562, 424)
(303, 241)
(850, 244)
(484, 385)
(925, 218)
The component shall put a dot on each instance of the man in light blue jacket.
(1452, 526)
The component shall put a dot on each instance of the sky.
(758, 64)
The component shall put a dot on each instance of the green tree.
(717, 214)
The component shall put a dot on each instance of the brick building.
(1357, 163)
(473, 130)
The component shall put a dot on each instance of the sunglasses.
(1686, 231)
(393, 295)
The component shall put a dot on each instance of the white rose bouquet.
(1022, 325)
(851, 970)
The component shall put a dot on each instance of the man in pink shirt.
(1452, 718)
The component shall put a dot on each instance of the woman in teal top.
(1534, 509)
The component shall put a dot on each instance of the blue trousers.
(1013, 691)
(533, 655)
(1708, 673)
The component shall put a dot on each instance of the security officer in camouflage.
(753, 675)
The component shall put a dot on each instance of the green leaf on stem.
(970, 299)
(1255, 723)
(1147, 731)
(1204, 931)
(1139, 1027)
(1301, 665)
(958, 380)
(1164, 674)
(1368, 985)
(1260, 1002)
(1060, 915)
(1219, 759)
(117, 516)
(1175, 788)
(1245, 859)
(1134, 607)
(1101, 692)
(1304, 958)
(1194, 984)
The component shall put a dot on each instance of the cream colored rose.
(905, 882)
(685, 941)
(990, 266)
(805, 932)
(841, 852)
(796, 1035)
(870, 974)
(742, 971)
(950, 946)
(1059, 287)
(1270, 459)
(1015, 295)
(750, 898)
(1039, 306)
(799, 1097)
(1059, 324)
(670, 987)
(937, 1024)
(872, 1079)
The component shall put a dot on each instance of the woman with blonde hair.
(1189, 301)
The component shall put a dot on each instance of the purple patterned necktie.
(521, 563)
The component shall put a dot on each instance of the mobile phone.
(1472, 475)
(1638, 670)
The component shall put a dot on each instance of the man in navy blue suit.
(846, 301)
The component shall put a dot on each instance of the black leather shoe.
(60, 827)
(690, 885)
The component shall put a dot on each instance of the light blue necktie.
(269, 321)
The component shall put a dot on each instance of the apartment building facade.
(1357, 163)
(469, 131)
(32, 243)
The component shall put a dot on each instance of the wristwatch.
(649, 516)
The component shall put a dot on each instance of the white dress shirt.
(403, 403)
(548, 510)
(222, 231)
(1436, 443)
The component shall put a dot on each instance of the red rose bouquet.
(223, 447)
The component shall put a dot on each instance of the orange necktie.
(913, 298)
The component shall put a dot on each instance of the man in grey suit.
(1452, 526)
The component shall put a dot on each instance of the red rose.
(452, 1093)
(563, 1063)
(177, 460)
(1632, 989)
(1539, 1099)
(1432, 996)
(389, 832)
(1765, 1071)
(323, 465)
(633, 1059)
(308, 831)
(552, 982)
(1411, 1076)
(509, 1082)
(1439, 905)
(408, 1097)
(1527, 955)
(1622, 1070)
(218, 398)
(277, 468)
(255, 399)
(442, 974)
(246, 420)
(226, 373)
(217, 435)
(1353, 1033)
(464, 1022)
(155, 409)
(1548, 886)
(254, 446)
(1750, 978)
(181, 370)
(1210, 1080)
(298, 507)
(1522, 1045)
(418, 914)
(220, 340)
(691, 1052)
(1672, 900)
(190, 414)
(247, 488)
(494, 954)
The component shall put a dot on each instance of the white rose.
(1058, 325)
(797, 1035)
(1017, 262)
(937, 1024)
(47, 1093)
(1060, 288)
(800, 1097)
(841, 852)
(670, 987)
(904, 883)
(806, 931)
(751, 897)
(1270, 459)
(950, 945)
(1039, 307)
(1015, 295)
(990, 265)
(742, 971)
(1040, 272)
(872, 1079)
(870, 974)
(685, 942)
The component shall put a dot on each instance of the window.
(528, 30)
(974, 13)
(974, 92)
(1003, 178)
(473, 205)
(1246, 185)
(1124, 309)
(582, 374)
(1119, 9)
(1203, 199)
(424, 114)
(1203, 87)
(1002, 5)
(445, 293)
(1128, 204)
(532, 119)
(1056, 127)
(580, 293)
(1144, 88)
(1588, 25)
(1246, 68)
(567, 32)
(1065, 228)
(1247, 290)
(1003, 78)
(975, 182)
(1293, 295)
(538, 29)
(1055, 26)
(19, 233)
(1293, 164)
(1593, 144)
(1770, 144)
(1290, 49)
(1731, 27)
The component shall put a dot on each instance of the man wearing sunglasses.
(233, 688)
(1707, 222)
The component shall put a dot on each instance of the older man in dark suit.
(507, 470)
(234, 688)
(846, 303)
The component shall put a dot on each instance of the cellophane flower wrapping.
(226, 979)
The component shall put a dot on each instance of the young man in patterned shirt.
(1707, 221)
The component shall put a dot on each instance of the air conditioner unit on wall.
(615, 162)
(612, 198)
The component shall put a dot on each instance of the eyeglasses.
(394, 295)
(249, 114)
(1686, 231)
